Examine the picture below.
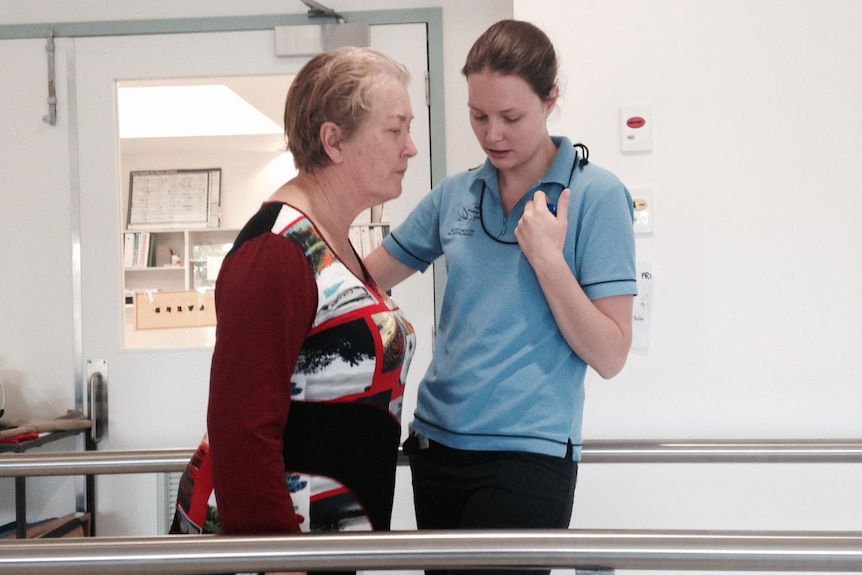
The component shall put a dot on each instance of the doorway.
(157, 397)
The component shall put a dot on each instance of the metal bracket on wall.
(51, 118)
(316, 10)
(311, 39)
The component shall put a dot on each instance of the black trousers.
(456, 489)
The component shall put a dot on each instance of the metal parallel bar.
(637, 550)
(724, 451)
(94, 462)
(674, 451)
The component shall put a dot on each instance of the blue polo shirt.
(502, 377)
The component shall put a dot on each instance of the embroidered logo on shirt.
(468, 213)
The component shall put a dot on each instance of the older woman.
(311, 355)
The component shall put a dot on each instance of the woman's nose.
(494, 131)
(410, 148)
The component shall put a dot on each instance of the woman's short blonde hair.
(333, 87)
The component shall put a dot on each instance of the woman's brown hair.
(518, 48)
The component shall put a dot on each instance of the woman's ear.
(331, 138)
(551, 102)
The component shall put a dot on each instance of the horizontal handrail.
(724, 451)
(580, 549)
(94, 462)
(601, 451)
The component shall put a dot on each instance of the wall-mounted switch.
(636, 128)
(644, 208)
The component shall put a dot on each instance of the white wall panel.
(755, 258)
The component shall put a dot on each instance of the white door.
(157, 398)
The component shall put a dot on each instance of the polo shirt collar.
(559, 172)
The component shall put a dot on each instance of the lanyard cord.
(585, 159)
(482, 219)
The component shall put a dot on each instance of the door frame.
(431, 17)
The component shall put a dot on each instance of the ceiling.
(264, 93)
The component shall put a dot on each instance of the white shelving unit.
(198, 251)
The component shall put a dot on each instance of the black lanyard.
(579, 163)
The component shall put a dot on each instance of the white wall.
(755, 168)
(36, 353)
(757, 275)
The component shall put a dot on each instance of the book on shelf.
(365, 240)
(355, 239)
(143, 249)
(377, 233)
(139, 249)
(129, 249)
(151, 252)
(368, 230)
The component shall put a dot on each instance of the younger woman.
(532, 299)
